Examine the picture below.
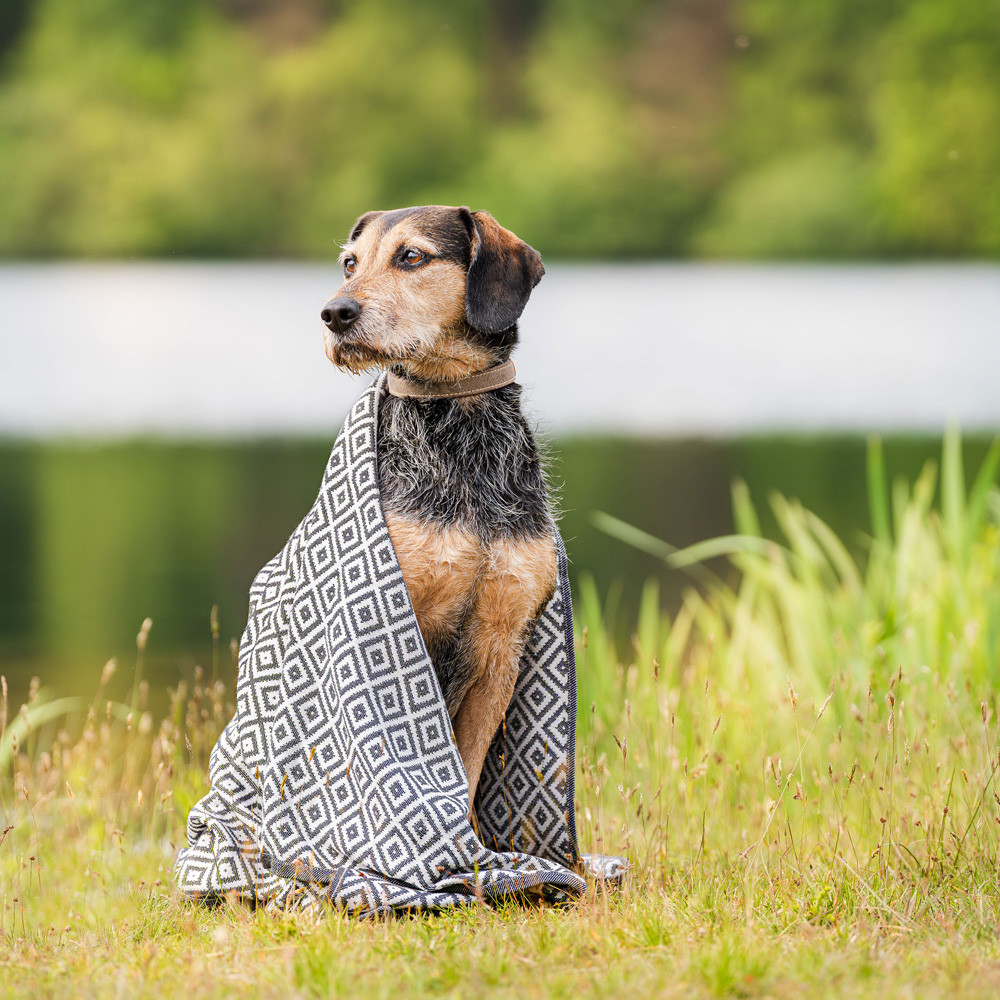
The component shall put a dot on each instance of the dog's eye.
(413, 256)
(350, 266)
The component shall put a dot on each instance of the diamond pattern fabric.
(338, 778)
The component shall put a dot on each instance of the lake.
(165, 426)
(211, 349)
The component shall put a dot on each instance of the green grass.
(801, 765)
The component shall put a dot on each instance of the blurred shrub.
(863, 128)
(809, 202)
(936, 119)
(743, 128)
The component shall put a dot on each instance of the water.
(657, 384)
(655, 349)
(95, 538)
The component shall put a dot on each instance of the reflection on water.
(94, 539)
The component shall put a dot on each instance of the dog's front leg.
(517, 581)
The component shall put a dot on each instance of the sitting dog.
(433, 295)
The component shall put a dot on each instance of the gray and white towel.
(338, 778)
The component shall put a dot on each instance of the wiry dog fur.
(434, 293)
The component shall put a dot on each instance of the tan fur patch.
(439, 567)
(517, 580)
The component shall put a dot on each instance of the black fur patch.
(443, 226)
(502, 272)
(393, 218)
(362, 222)
(442, 460)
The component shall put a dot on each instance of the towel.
(338, 779)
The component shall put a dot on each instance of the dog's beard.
(356, 356)
(363, 350)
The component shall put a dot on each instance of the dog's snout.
(339, 314)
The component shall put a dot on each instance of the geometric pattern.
(338, 778)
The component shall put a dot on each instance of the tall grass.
(816, 713)
(804, 756)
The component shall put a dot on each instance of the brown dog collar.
(492, 378)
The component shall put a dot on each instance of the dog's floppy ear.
(502, 272)
(361, 223)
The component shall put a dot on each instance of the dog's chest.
(458, 464)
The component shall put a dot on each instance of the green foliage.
(923, 603)
(766, 129)
(867, 128)
(935, 123)
(796, 205)
(211, 141)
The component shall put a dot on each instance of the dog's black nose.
(339, 314)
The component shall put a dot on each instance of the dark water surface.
(93, 539)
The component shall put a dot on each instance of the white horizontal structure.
(236, 348)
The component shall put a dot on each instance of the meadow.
(800, 765)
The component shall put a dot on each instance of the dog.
(432, 295)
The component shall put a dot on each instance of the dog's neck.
(497, 377)
(470, 461)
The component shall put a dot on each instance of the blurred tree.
(510, 26)
(760, 128)
(863, 129)
(281, 23)
(14, 16)
(936, 120)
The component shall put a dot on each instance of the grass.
(801, 765)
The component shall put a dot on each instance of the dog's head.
(435, 291)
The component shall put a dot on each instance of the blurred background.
(771, 227)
